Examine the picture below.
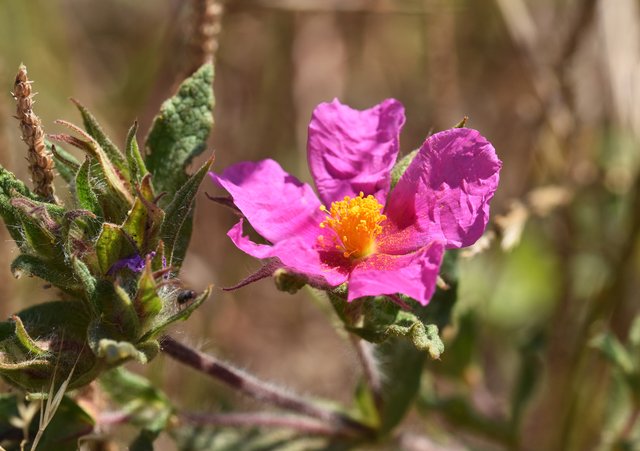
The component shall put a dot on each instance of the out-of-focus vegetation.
(555, 85)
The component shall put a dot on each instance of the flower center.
(355, 223)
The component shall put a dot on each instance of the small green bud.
(288, 281)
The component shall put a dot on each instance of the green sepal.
(137, 168)
(87, 198)
(112, 245)
(401, 166)
(179, 132)
(178, 220)
(147, 302)
(182, 314)
(94, 129)
(48, 271)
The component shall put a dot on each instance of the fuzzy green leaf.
(402, 365)
(137, 168)
(180, 131)
(176, 229)
(8, 185)
(181, 315)
(68, 424)
(87, 198)
(117, 310)
(48, 271)
(66, 164)
(94, 129)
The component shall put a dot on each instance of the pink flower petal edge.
(275, 203)
(350, 151)
(294, 253)
(445, 192)
(411, 274)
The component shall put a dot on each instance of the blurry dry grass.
(546, 81)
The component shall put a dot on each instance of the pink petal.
(295, 253)
(276, 204)
(444, 194)
(412, 274)
(351, 151)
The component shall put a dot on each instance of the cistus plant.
(378, 243)
(110, 247)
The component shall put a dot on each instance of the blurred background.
(553, 84)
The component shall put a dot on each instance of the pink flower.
(355, 230)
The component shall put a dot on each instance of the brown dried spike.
(207, 18)
(40, 160)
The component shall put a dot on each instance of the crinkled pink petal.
(444, 194)
(276, 204)
(411, 274)
(351, 151)
(295, 253)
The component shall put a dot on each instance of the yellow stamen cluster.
(356, 223)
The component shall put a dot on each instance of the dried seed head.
(40, 160)
(207, 28)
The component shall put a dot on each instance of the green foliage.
(69, 424)
(180, 131)
(105, 251)
(146, 406)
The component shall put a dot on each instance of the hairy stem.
(262, 419)
(260, 390)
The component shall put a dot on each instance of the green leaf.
(30, 346)
(180, 131)
(402, 365)
(69, 423)
(615, 352)
(93, 128)
(176, 229)
(181, 315)
(137, 168)
(51, 323)
(146, 406)
(51, 272)
(88, 281)
(87, 198)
